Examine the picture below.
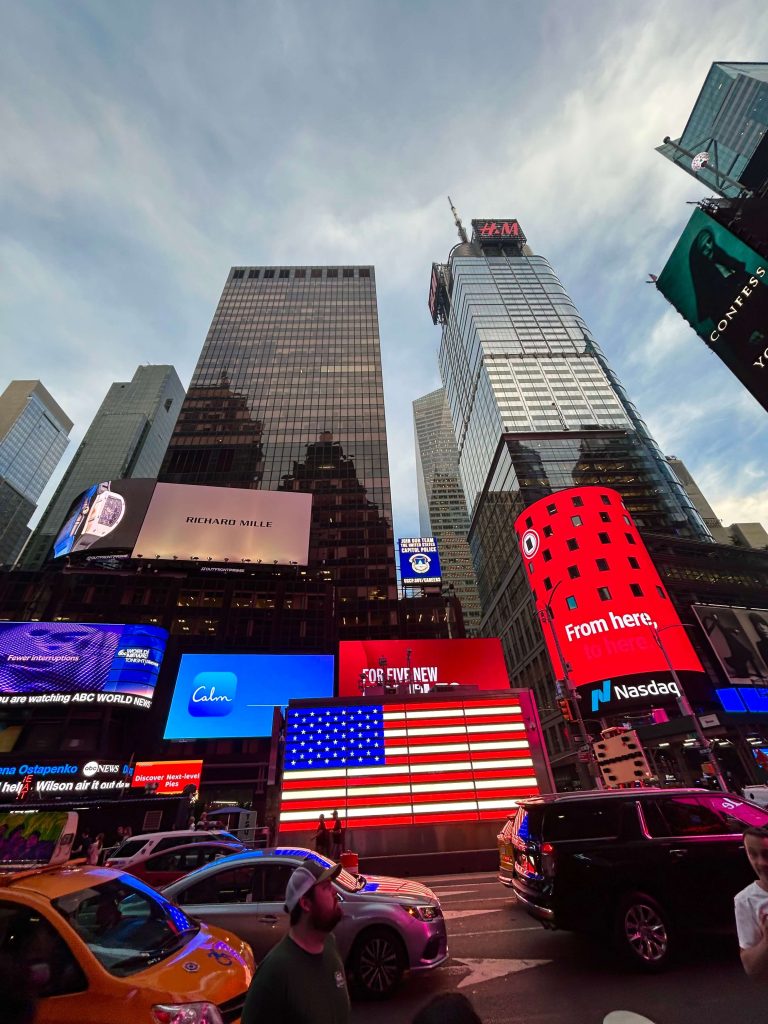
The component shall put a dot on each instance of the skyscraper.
(725, 142)
(287, 395)
(33, 437)
(535, 408)
(127, 438)
(442, 506)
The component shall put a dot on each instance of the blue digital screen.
(224, 695)
(738, 700)
(79, 662)
(419, 561)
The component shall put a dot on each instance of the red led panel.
(467, 662)
(171, 776)
(587, 564)
(405, 764)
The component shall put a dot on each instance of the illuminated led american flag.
(404, 764)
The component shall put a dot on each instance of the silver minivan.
(388, 925)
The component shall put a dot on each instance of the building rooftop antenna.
(459, 225)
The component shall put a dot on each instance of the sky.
(148, 147)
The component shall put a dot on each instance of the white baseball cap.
(306, 876)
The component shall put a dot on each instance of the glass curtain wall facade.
(442, 507)
(288, 395)
(127, 438)
(535, 408)
(729, 123)
(33, 437)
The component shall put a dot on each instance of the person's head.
(447, 1008)
(756, 846)
(322, 819)
(759, 625)
(335, 815)
(107, 914)
(704, 243)
(311, 898)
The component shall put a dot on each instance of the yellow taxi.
(101, 947)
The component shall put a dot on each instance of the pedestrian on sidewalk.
(751, 906)
(337, 836)
(302, 980)
(94, 850)
(322, 837)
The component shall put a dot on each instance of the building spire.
(459, 225)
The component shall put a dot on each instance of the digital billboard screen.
(739, 638)
(418, 666)
(106, 517)
(224, 695)
(169, 776)
(720, 286)
(88, 663)
(225, 524)
(412, 763)
(599, 597)
(419, 561)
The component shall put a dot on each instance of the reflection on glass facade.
(535, 408)
(442, 507)
(33, 437)
(728, 123)
(127, 438)
(287, 395)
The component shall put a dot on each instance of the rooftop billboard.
(720, 286)
(79, 663)
(419, 666)
(419, 561)
(106, 517)
(739, 638)
(226, 695)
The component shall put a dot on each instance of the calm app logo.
(213, 694)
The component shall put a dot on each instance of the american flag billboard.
(405, 764)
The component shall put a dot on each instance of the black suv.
(642, 865)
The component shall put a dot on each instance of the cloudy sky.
(147, 147)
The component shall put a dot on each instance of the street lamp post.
(685, 705)
(570, 691)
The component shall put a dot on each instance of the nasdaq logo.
(213, 694)
(601, 695)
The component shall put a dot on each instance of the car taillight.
(186, 1013)
(547, 860)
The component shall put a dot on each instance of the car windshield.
(125, 924)
(129, 848)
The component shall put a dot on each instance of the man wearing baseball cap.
(302, 980)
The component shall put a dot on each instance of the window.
(604, 538)
(547, 584)
(547, 531)
(605, 499)
(627, 520)
(546, 555)
(182, 861)
(300, 274)
(682, 816)
(605, 517)
(364, 272)
(552, 509)
(529, 521)
(253, 273)
(275, 880)
(660, 592)
(636, 589)
(530, 568)
(573, 572)
(572, 544)
(285, 273)
(316, 273)
(577, 501)
(570, 602)
(236, 274)
(595, 820)
(577, 520)
(604, 593)
(602, 564)
(348, 272)
(630, 538)
(30, 941)
(269, 273)
(230, 885)
(332, 272)
(633, 562)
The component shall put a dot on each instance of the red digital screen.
(171, 776)
(498, 229)
(418, 666)
(597, 592)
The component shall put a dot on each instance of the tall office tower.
(287, 395)
(442, 506)
(725, 142)
(535, 408)
(33, 436)
(127, 438)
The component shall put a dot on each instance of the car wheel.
(643, 932)
(377, 963)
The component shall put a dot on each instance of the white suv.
(135, 847)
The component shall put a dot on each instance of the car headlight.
(427, 912)
(186, 1013)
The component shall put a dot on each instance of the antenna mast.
(459, 225)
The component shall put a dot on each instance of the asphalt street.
(515, 972)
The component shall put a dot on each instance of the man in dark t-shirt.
(302, 980)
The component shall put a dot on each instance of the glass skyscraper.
(535, 408)
(442, 506)
(287, 395)
(127, 438)
(33, 436)
(725, 142)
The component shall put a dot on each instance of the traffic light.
(566, 709)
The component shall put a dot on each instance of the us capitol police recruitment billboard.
(720, 286)
(419, 561)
